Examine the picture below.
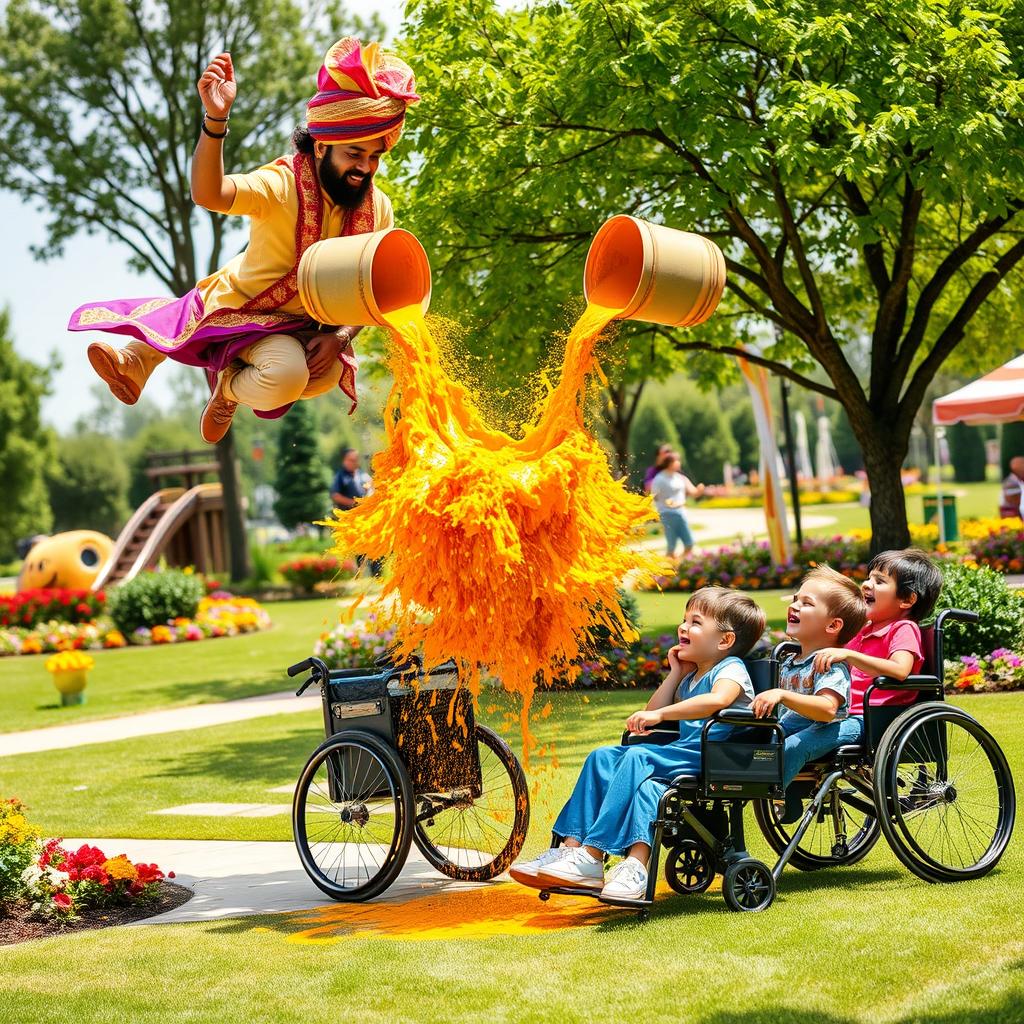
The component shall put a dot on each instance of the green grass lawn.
(868, 943)
(142, 678)
(662, 612)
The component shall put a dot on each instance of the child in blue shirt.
(615, 802)
(825, 613)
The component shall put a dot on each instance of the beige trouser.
(276, 374)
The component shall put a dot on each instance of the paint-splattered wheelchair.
(926, 776)
(404, 762)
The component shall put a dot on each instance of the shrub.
(984, 591)
(32, 607)
(967, 453)
(18, 844)
(155, 598)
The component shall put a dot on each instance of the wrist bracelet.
(214, 135)
(210, 117)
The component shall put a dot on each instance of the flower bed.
(750, 567)
(309, 571)
(353, 645)
(998, 543)
(31, 608)
(998, 672)
(220, 614)
(43, 883)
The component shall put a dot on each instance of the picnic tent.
(998, 397)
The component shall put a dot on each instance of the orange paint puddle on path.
(500, 908)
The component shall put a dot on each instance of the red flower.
(94, 873)
(62, 900)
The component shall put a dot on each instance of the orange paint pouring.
(501, 908)
(505, 552)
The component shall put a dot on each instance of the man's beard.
(338, 188)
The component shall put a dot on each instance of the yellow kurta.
(269, 197)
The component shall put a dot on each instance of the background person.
(1012, 504)
(670, 488)
(652, 471)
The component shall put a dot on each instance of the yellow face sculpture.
(70, 560)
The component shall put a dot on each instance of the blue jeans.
(615, 801)
(677, 529)
(807, 740)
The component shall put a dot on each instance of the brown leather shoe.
(219, 411)
(120, 369)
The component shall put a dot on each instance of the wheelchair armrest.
(910, 683)
(658, 737)
(743, 716)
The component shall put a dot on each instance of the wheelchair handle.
(319, 673)
(955, 615)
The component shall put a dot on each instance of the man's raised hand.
(216, 85)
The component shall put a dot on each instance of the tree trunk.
(884, 451)
(234, 517)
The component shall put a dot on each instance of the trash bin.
(931, 513)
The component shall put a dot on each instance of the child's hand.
(829, 656)
(641, 722)
(677, 662)
(764, 703)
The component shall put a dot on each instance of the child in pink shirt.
(901, 589)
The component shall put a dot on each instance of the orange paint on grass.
(501, 908)
(505, 551)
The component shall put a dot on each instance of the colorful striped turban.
(361, 95)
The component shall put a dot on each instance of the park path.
(151, 723)
(239, 879)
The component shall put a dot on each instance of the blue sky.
(41, 296)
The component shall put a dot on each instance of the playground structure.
(182, 525)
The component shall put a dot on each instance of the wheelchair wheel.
(944, 792)
(476, 838)
(689, 869)
(352, 816)
(748, 885)
(820, 846)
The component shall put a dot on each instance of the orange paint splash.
(500, 908)
(505, 551)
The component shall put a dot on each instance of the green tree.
(26, 446)
(301, 483)
(1011, 444)
(744, 433)
(858, 163)
(704, 431)
(652, 427)
(966, 453)
(105, 92)
(89, 485)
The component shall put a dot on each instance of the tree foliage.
(26, 446)
(89, 485)
(652, 428)
(301, 482)
(705, 435)
(861, 165)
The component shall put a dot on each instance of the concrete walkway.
(151, 723)
(239, 879)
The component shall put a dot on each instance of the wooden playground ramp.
(177, 525)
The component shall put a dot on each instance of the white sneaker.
(627, 881)
(526, 872)
(576, 868)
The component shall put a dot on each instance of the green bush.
(154, 598)
(984, 591)
(967, 453)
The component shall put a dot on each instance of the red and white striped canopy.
(998, 397)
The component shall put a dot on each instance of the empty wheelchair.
(927, 776)
(404, 762)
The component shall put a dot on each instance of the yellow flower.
(15, 830)
(69, 661)
(121, 869)
(162, 635)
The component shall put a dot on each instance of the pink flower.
(62, 900)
